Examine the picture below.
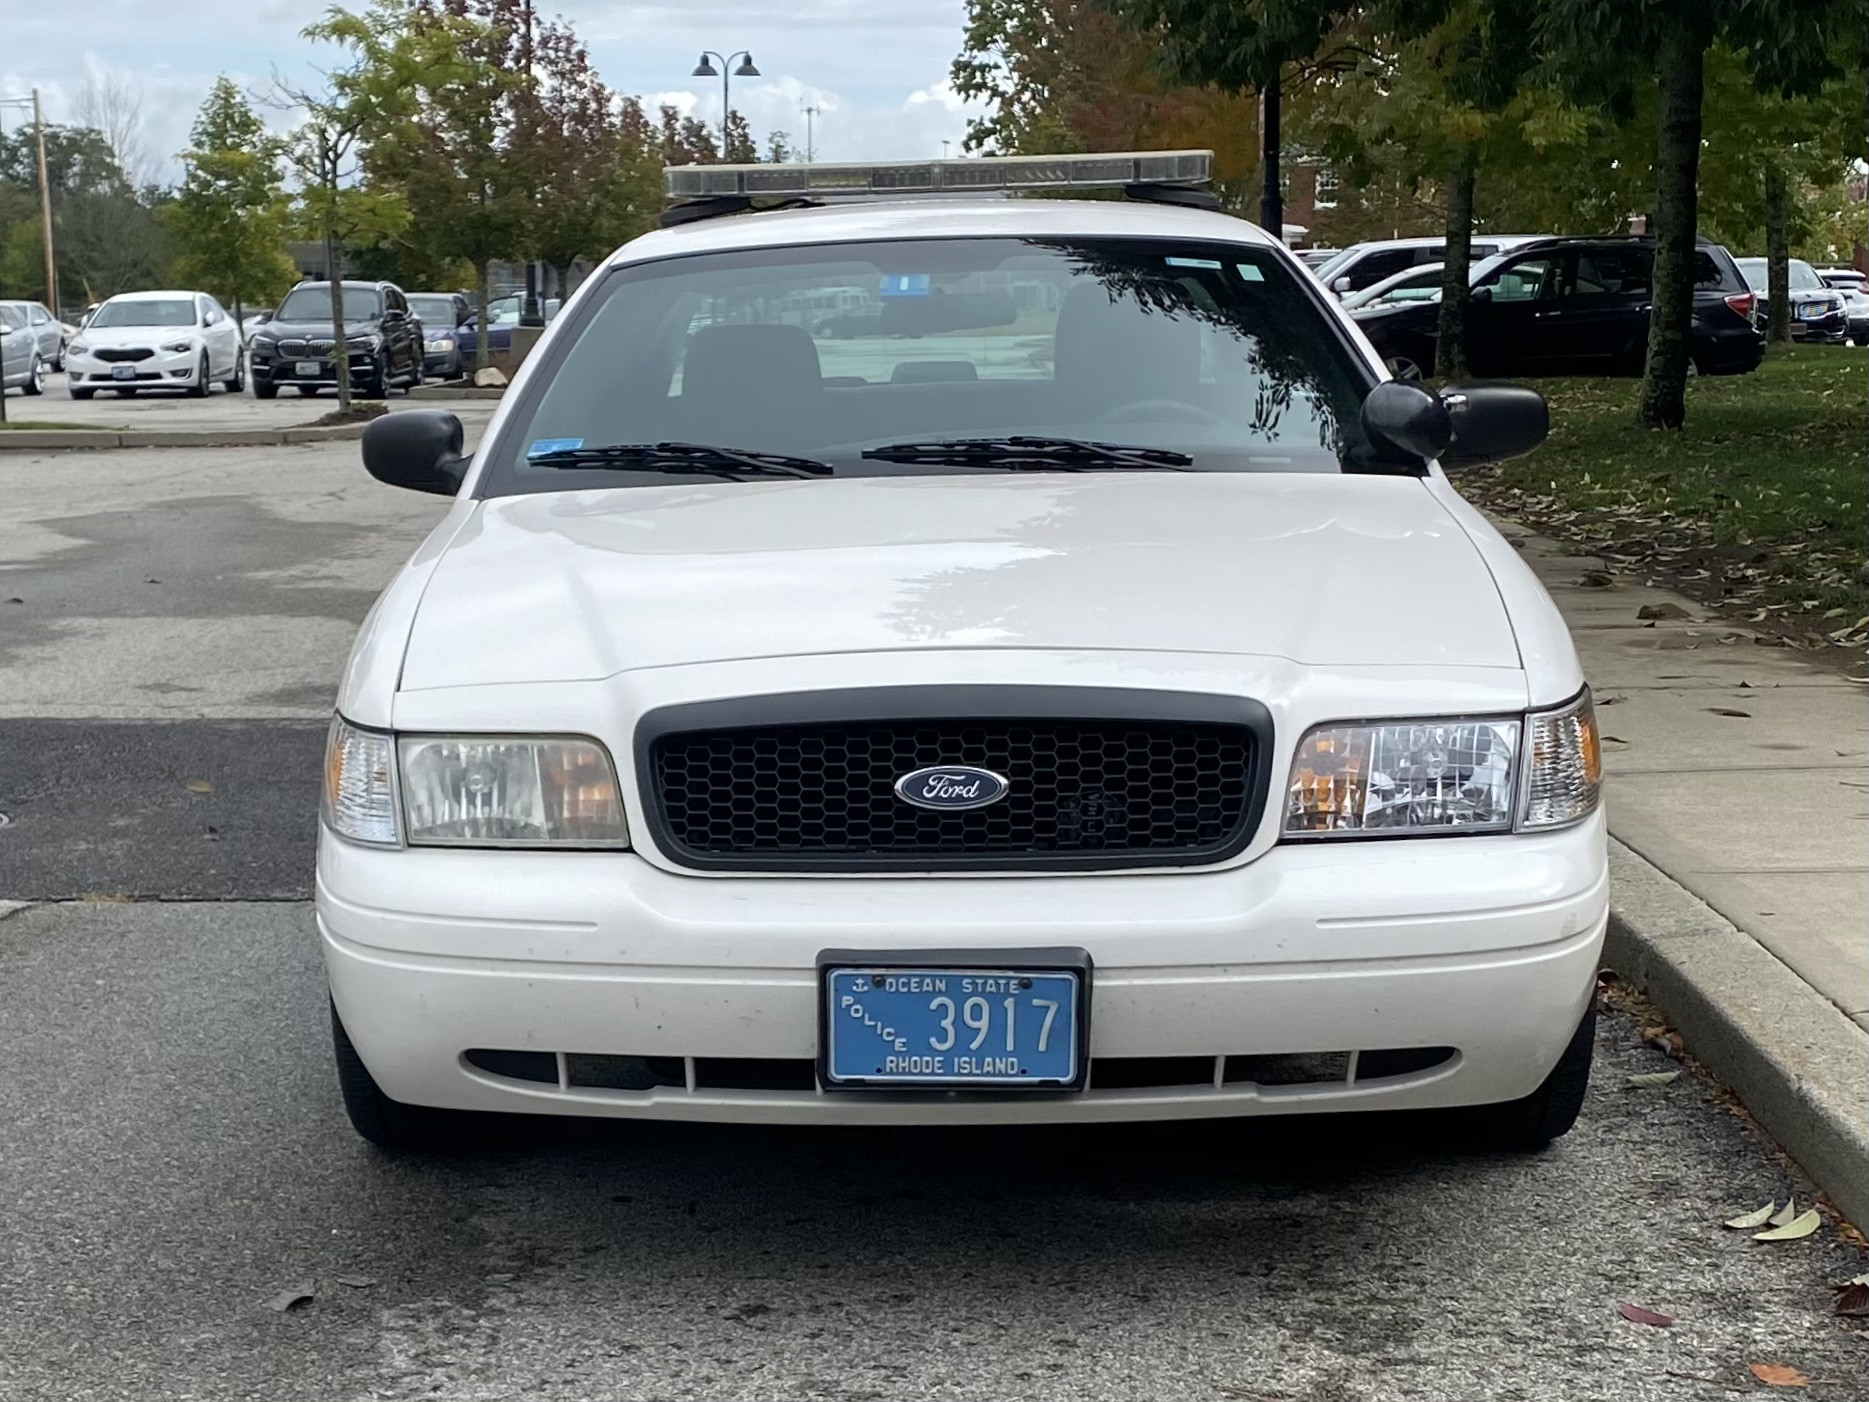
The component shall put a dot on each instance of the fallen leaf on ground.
(1795, 1230)
(299, 1294)
(1778, 1375)
(1729, 711)
(1753, 1219)
(1635, 1314)
(1786, 1214)
(200, 786)
(1853, 1302)
(1652, 1080)
(356, 1282)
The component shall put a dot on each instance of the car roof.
(154, 296)
(871, 220)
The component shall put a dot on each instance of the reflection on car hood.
(136, 335)
(1318, 568)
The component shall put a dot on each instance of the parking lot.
(172, 623)
(172, 409)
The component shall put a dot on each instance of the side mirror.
(1340, 286)
(1405, 416)
(416, 448)
(1480, 294)
(1492, 422)
(263, 318)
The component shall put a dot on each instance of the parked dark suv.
(1574, 306)
(383, 341)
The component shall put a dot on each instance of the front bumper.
(1485, 946)
(171, 369)
(275, 370)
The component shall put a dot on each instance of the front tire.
(81, 393)
(386, 1123)
(237, 382)
(1549, 1112)
(35, 377)
(265, 390)
(198, 389)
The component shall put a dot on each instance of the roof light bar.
(975, 175)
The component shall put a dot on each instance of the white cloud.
(876, 69)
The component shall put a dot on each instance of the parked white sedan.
(1078, 694)
(157, 341)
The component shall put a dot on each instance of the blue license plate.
(953, 1027)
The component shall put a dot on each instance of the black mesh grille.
(825, 793)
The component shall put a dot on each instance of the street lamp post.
(810, 112)
(727, 73)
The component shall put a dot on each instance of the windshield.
(166, 311)
(1802, 276)
(1220, 352)
(432, 311)
(314, 304)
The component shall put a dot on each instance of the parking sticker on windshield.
(542, 446)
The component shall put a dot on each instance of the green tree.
(436, 89)
(108, 238)
(228, 220)
(334, 206)
(1616, 52)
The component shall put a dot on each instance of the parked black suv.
(383, 341)
(1574, 306)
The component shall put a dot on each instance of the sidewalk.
(1740, 773)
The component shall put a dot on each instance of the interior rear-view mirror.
(416, 448)
(1493, 421)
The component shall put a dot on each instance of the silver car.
(47, 334)
(21, 365)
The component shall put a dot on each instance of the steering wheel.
(1139, 408)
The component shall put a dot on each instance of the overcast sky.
(877, 68)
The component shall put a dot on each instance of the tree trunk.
(340, 353)
(1682, 57)
(1777, 253)
(1450, 345)
(483, 343)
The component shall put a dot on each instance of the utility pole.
(530, 311)
(45, 209)
(1271, 198)
(811, 151)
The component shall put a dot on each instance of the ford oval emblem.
(951, 787)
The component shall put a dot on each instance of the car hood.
(300, 330)
(1321, 569)
(136, 335)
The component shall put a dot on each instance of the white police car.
(933, 660)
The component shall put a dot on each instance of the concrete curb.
(1799, 1065)
(455, 392)
(42, 439)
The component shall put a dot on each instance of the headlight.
(361, 343)
(504, 791)
(262, 342)
(443, 344)
(1565, 780)
(179, 347)
(1454, 775)
(1411, 776)
(360, 783)
(78, 348)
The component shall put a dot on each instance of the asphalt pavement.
(177, 1160)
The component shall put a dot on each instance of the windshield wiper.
(702, 458)
(1022, 451)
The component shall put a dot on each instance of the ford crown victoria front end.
(1073, 692)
